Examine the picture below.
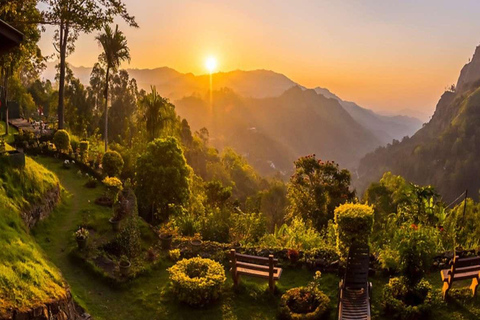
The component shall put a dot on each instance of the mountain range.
(445, 152)
(269, 118)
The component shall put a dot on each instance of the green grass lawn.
(148, 297)
(12, 131)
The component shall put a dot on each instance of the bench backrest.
(254, 259)
(356, 274)
(460, 265)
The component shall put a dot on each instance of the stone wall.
(56, 310)
(38, 211)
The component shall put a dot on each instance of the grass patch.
(27, 278)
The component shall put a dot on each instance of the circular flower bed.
(197, 281)
(402, 301)
(303, 303)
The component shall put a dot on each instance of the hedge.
(197, 281)
(353, 223)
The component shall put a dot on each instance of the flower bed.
(303, 303)
(401, 301)
(197, 281)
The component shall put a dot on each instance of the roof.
(9, 37)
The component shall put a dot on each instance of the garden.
(123, 260)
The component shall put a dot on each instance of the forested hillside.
(445, 151)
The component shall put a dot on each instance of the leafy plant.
(112, 163)
(81, 233)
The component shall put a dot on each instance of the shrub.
(174, 254)
(353, 223)
(416, 247)
(84, 145)
(248, 227)
(112, 163)
(216, 225)
(197, 281)
(404, 302)
(129, 238)
(61, 138)
(297, 236)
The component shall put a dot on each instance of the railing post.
(234, 267)
(271, 282)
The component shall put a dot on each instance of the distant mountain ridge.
(254, 84)
(332, 128)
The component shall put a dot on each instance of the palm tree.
(115, 50)
(159, 112)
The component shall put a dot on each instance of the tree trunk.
(61, 84)
(106, 109)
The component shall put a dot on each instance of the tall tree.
(73, 17)
(316, 189)
(115, 50)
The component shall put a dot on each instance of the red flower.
(414, 226)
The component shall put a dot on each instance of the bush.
(129, 238)
(84, 145)
(112, 163)
(353, 223)
(403, 302)
(216, 225)
(416, 247)
(197, 281)
(297, 236)
(61, 138)
(248, 227)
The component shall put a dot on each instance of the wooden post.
(271, 282)
(234, 267)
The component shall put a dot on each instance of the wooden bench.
(461, 269)
(261, 267)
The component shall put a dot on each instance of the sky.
(385, 55)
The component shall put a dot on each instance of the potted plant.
(81, 235)
(196, 243)
(66, 164)
(166, 237)
(124, 266)
(293, 256)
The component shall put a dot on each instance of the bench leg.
(235, 279)
(474, 286)
(445, 289)
(271, 286)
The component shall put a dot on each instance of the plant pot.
(166, 241)
(82, 243)
(196, 245)
(124, 268)
(115, 224)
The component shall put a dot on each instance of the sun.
(211, 64)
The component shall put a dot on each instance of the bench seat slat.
(459, 275)
(260, 274)
(467, 262)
